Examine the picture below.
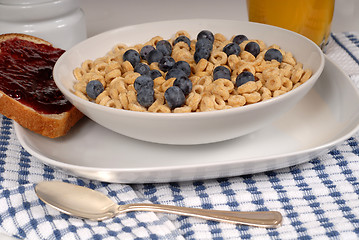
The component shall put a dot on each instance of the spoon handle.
(266, 219)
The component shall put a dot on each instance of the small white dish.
(196, 127)
(325, 117)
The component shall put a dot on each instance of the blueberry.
(132, 56)
(154, 73)
(94, 88)
(232, 49)
(244, 77)
(184, 84)
(239, 39)
(174, 97)
(175, 73)
(165, 47)
(145, 97)
(184, 66)
(206, 34)
(166, 63)
(253, 48)
(154, 56)
(145, 50)
(221, 68)
(143, 81)
(221, 72)
(201, 53)
(273, 54)
(204, 43)
(142, 68)
(182, 38)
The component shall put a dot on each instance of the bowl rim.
(262, 104)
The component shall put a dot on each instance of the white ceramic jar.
(60, 22)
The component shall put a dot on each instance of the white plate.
(328, 115)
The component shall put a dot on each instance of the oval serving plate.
(93, 152)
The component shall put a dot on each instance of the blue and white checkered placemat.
(318, 199)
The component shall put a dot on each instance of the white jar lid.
(23, 2)
(32, 11)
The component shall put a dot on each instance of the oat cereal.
(189, 75)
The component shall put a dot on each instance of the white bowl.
(188, 128)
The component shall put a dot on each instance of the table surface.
(109, 14)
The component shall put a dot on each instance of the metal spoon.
(87, 203)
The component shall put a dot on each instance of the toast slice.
(48, 124)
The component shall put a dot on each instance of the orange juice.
(311, 18)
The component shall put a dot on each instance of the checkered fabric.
(318, 199)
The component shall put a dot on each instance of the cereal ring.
(100, 68)
(287, 84)
(123, 100)
(118, 84)
(265, 93)
(93, 76)
(114, 94)
(119, 49)
(199, 89)
(236, 100)
(117, 103)
(182, 55)
(222, 87)
(279, 92)
(203, 81)
(203, 68)
(131, 96)
(253, 97)
(207, 104)
(158, 81)
(218, 58)
(78, 73)
(103, 98)
(112, 66)
(193, 100)
(286, 69)
(134, 106)
(130, 77)
(247, 56)
(81, 95)
(184, 109)
(220, 37)
(181, 46)
(153, 42)
(138, 47)
(219, 102)
(233, 61)
(288, 58)
(182, 33)
(296, 75)
(248, 87)
(126, 66)
(112, 75)
(168, 83)
(160, 109)
(273, 83)
(307, 74)
(242, 68)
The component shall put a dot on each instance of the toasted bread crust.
(37, 40)
(49, 125)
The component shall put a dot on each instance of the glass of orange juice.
(311, 18)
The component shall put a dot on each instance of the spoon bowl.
(89, 204)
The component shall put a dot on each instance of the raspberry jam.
(26, 75)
